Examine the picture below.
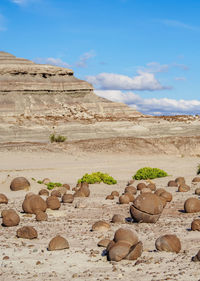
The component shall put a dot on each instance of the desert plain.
(24, 259)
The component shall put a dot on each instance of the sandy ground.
(23, 259)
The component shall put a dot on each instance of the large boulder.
(135, 251)
(27, 232)
(147, 207)
(125, 245)
(168, 243)
(10, 218)
(33, 203)
(41, 216)
(53, 203)
(67, 198)
(126, 235)
(58, 243)
(3, 199)
(192, 205)
(100, 226)
(19, 183)
(195, 225)
(119, 251)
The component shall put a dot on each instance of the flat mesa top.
(11, 64)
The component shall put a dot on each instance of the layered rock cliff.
(29, 88)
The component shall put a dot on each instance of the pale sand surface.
(84, 260)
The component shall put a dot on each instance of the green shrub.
(149, 173)
(52, 185)
(59, 138)
(40, 182)
(97, 178)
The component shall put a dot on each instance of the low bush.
(52, 185)
(59, 138)
(97, 178)
(149, 173)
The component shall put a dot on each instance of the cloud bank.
(152, 106)
(52, 61)
(111, 81)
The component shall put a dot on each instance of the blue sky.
(145, 53)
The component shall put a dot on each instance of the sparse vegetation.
(59, 138)
(52, 185)
(149, 173)
(97, 178)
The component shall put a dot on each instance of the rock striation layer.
(29, 88)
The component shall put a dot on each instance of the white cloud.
(84, 58)
(178, 24)
(180, 78)
(52, 61)
(110, 81)
(153, 106)
(24, 2)
(156, 67)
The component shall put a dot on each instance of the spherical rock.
(197, 257)
(33, 203)
(130, 195)
(79, 193)
(172, 184)
(27, 232)
(152, 186)
(110, 245)
(117, 219)
(110, 197)
(124, 199)
(53, 203)
(196, 180)
(164, 201)
(85, 189)
(195, 225)
(141, 186)
(180, 180)
(167, 196)
(100, 226)
(183, 188)
(19, 183)
(67, 198)
(41, 216)
(159, 191)
(43, 192)
(58, 243)
(115, 193)
(145, 190)
(192, 205)
(135, 251)
(147, 207)
(46, 181)
(130, 189)
(56, 193)
(10, 218)
(168, 243)
(126, 235)
(3, 199)
(197, 191)
(103, 242)
(66, 186)
(130, 182)
(119, 251)
(62, 190)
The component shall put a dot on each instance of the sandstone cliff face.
(29, 88)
